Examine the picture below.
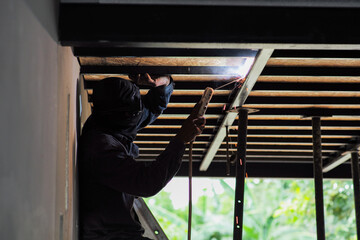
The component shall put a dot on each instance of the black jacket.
(110, 177)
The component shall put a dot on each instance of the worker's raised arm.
(113, 167)
(157, 98)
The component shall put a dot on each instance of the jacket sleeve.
(154, 103)
(142, 179)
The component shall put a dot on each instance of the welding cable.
(190, 190)
(240, 79)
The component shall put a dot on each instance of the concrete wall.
(39, 107)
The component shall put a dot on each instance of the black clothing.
(110, 178)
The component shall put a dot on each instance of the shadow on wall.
(47, 13)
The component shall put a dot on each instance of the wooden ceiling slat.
(313, 62)
(162, 61)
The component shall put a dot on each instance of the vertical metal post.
(240, 174)
(356, 181)
(318, 176)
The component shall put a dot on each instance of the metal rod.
(190, 191)
(318, 177)
(240, 174)
(227, 152)
(356, 181)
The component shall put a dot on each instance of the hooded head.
(117, 105)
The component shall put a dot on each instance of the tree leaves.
(274, 210)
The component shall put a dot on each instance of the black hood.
(117, 106)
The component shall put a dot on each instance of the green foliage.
(273, 210)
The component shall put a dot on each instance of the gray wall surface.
(38, 131)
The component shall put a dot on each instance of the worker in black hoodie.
(109, 176)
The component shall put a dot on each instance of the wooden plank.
(313, 62)
(162, 61)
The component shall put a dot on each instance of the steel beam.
(356, 181)
(343, 156)
(268, 169)
(161, 52)
(311, 71)
(316, 53)
(239, 100)
(102, 25)
(152, 227)
(240, 174)
(318, 177)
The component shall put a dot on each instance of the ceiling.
(292, 79)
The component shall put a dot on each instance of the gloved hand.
(192, 126)
(146, 80)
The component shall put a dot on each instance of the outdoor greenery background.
(274, 209)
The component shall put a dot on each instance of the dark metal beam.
(256, 122)
(283, 111)
(271, 169)
(311, 71)
(252, 146)
(240, 164)
(301, 86)
(341, 156)
(261, 132)
(316, 53)
(318, 177)
(300, 100)
(106, 24)
(161, 52)
(356, 181)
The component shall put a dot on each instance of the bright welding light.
(244, 69)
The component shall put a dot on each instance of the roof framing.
(313, 70)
